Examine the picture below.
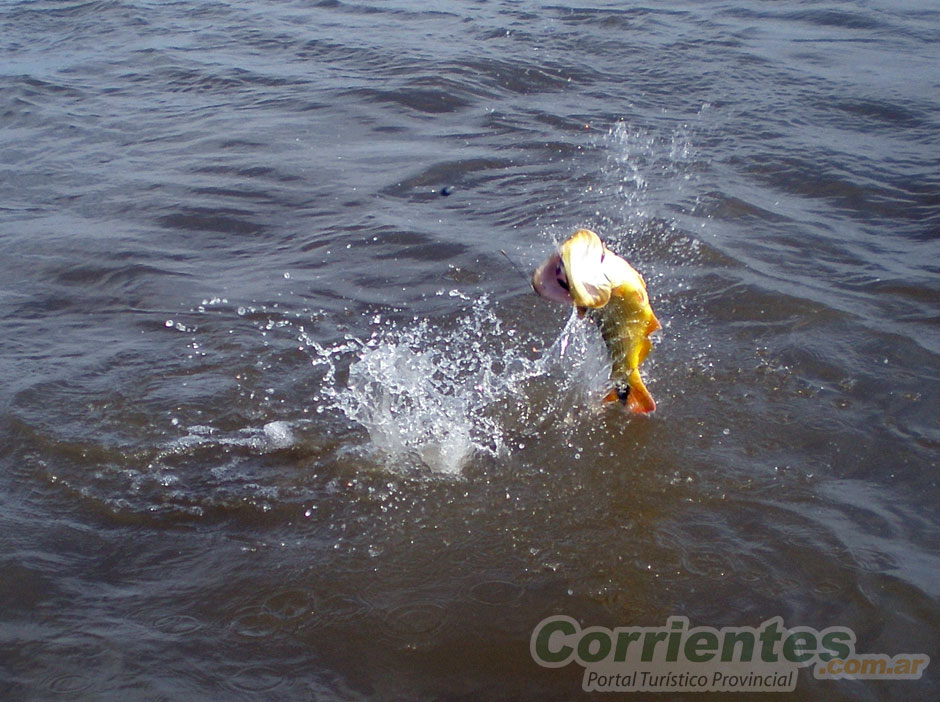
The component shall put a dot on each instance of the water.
(278, 420)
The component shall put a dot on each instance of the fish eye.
(560, 277)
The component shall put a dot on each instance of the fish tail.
(639, 401)
(633, 394)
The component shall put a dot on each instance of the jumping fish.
(586, 274)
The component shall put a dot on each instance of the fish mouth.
(549, 281)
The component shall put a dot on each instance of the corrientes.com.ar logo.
(680, 658)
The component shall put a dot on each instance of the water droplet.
(289, 604)
(68, 684)
(178, 624)
(495, 592)
(255, 679)
(413, 620)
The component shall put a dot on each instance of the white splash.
(437, 397)
(278, 435)
(647, 166)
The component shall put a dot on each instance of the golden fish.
(586, 274)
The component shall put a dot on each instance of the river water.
(279, 421)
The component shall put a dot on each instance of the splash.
(649, 170)
(439, 396)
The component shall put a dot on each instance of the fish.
(583, 272)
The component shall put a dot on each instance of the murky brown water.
(279, 421)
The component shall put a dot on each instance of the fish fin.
(639, 400)
(646, 344)
(643, 351)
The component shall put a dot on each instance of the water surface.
(279, 421)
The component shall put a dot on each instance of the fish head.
(584, 258)
(576, 273)
(550, 280)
